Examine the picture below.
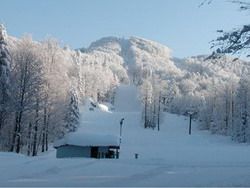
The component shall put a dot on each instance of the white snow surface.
(103, 107)
(127, 99)
(89, 103)
(169, 157)
(87, 139)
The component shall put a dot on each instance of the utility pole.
(159, 111)
(121, 123)
(190, 113)
(190, 124)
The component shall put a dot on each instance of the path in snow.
(126, 99)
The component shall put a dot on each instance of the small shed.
(87, 145)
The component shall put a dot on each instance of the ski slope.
(169, 157)
(127, 99)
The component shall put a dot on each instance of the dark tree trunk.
(1, 120)
(47, 134)
(227, 114)
(34, 153)
(3, 105)
(154, 115)
(29, 139)
(44, 129)
(22, 93)
(244, 120)
(158, 114)
(13, 142)
(18, 145)
(232, 119)
(145, 111)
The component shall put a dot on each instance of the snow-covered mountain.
(128, 56)
(134, 57)
(133, 54)
(112, 60)
(138, 53)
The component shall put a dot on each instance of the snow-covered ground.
(169, 157)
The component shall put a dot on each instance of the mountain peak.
(107, 44)
(132, 54)
(116, 44)
(3, 33)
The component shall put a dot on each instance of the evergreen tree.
(72, 113)
(4, 76)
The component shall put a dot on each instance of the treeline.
(43, 84)
(41, 88)
(157, 92)
(227, 110)
(220, 104)
(36, 95)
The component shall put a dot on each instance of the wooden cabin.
(87, 145)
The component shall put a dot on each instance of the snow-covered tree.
(235, 41)
(27, 72)
(241, 127)
(72, 113)
(5, 85)
(147, 98)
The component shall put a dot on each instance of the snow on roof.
(87, 139)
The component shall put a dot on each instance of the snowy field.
(169, 157)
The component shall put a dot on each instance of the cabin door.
(94, 152)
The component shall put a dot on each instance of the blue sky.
(178, 24)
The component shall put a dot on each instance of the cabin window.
(94, 152)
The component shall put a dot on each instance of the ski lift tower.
(121, 123)
(191, 113)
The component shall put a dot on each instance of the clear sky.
(178, 24)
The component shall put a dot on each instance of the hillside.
(134, 59)
(170, 157)
(62, 79)
(138, 53)
(192, 79)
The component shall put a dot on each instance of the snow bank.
(95, 106)
(103, 107)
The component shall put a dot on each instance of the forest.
(43, 85)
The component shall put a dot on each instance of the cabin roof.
(87, 139)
